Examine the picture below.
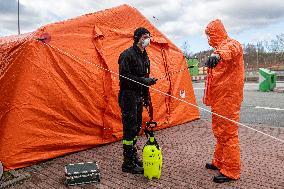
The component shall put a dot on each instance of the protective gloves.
(212, 61)
(149, 81)
(146, 102)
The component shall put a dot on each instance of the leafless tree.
(186, 49)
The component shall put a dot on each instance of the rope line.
(71, 55)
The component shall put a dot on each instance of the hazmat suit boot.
(222, 178)
(128, 164)
(137, 161)
(211, 166)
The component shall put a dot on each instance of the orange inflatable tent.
(59, 96)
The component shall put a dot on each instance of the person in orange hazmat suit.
(224, 94)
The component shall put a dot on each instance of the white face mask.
(145, 42)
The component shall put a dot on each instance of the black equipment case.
(82, 173)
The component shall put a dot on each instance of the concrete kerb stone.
(17, 176)
(279, 89)
(198, 78)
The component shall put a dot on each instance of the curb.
(1, 170)
(17, 176)
(198, 78)
(279, 89)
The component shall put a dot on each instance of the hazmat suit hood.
(216, 33)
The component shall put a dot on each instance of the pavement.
(257, 107)
(186, 148)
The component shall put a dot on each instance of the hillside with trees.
(265, 54)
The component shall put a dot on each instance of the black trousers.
(131, 105)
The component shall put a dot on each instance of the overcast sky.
(181, 20)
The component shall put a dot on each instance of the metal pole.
(257, 59)
(19, 17)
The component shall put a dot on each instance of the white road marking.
(268, 108)
(198, 88)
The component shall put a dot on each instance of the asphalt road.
(258, 108)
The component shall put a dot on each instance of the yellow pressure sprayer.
(152, 154)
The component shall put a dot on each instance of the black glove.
(212, 61)
(146, 102)
(149, 81)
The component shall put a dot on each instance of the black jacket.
(134, 65)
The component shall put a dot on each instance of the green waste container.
(193, 62)
(273, 80)
(267, 80)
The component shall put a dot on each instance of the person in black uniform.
(134, 66)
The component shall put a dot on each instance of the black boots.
(211, 166)
(132, 168)
(222, 178)
(136, 159)
(129, 164)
